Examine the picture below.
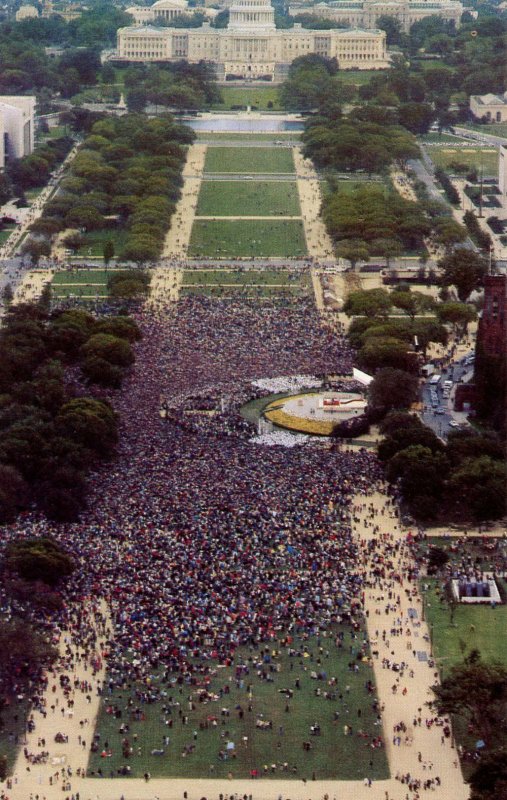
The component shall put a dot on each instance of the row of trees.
(371, 220)
(176, 86)
(463, 479)
(35, 169)
(349, 144)
(49, 435)
(128, 171)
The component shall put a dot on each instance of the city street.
(441, 417)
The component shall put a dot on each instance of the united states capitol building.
(365, 13)
(251, 47)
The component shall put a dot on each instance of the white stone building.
(489, 107)
(166, 10)
(251, 47)
(16, 127)
(365, 13)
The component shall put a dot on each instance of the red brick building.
(492, 333)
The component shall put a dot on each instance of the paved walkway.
(73, 714)
(391, 604)
(178, 237)
(32, 284)
(165, 285)
(318, 243)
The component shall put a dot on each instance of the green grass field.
(247, 238)
(245, 160)
(247, 136)
(94, 241)
(85, 283)
(357, 76)
(263, 98)
(495, 128)
(440, 138)
(238, 701)
(472, 157)
(248, 283)
(476, 626)
(212, 277)
(248, 198)
(6, 232)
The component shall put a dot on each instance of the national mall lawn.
(201, 729)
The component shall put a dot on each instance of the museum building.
(251, 47)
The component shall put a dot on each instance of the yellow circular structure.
(315, 413)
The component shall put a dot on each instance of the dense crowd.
(203, 543)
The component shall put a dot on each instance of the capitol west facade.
(251, 47)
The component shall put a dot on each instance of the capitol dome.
(251, 15)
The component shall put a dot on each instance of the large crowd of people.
(202, 543)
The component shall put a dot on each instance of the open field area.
(262, 98)
(473, 626)
(6, 232)
(248, 283)
(249, 160)
(357, 76)
(472, 157)
(248, 238)
(246, 137)
(86, 283)
(95, 240)
(250, 709)
(247, 199)
(495, 128)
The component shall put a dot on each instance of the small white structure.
(16, 127)
(489, 107)
(473, 590)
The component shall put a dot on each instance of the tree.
(99, 370)
(110, 348)
(412, 303)
(89, 422)
(408, 437)
(387, 248)
(108, 251)
(437, 559)
(489, 779)
(463, 269)
(13, 492)
(123, 327)
(74, 241)
(369, 303)
(392, 388)
(476, 691)
(416, 117)
(7, 294)
(399, 420)
(392, 27)
(23, 652)
(38, 560)
(481, 482)
(421, 475)
(456, 314)
(36, 248)
(387, 351)
(353, 250)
